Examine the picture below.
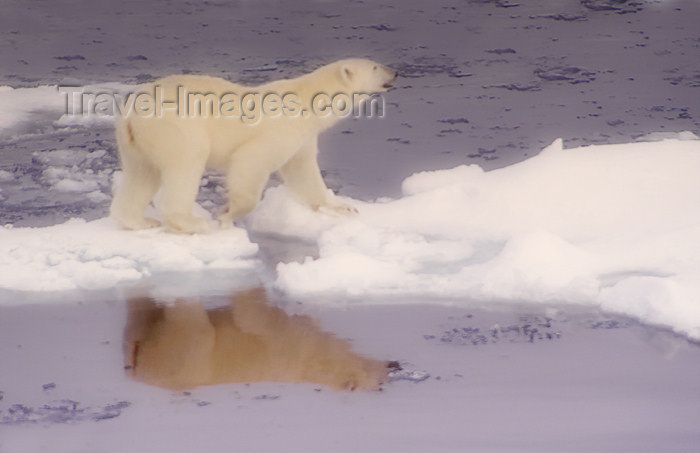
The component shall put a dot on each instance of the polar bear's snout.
(391, 74)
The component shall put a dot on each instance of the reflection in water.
(181, 346)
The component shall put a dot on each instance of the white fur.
(170, 153)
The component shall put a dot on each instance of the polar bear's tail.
(124, 135)
(130, 156)
(135, 162)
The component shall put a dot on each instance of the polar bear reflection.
(182, 346)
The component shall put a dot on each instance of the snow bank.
(93, 255)
(617, 226)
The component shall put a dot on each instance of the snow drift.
(617, 226)
(97, 254)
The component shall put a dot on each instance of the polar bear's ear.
(347, 74)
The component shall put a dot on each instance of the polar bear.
(180, 125)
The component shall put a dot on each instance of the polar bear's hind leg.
(140, 181)
(179, 188)
(133, 196)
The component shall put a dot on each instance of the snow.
(97, 254)
(615, 226)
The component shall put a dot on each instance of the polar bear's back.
(198, 83)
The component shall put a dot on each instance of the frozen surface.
(564, 252)
(98, 254)
(615, 226)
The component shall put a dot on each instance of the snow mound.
(615, 226)
(97, 254)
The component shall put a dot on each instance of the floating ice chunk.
(398, 373)
(659, 136)
(18, 104)
(71, 185)
(6, 176)
(92, 255)
(616, 226)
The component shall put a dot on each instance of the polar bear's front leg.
(303, 176)
(246, 179)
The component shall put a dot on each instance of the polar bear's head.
(359, 75)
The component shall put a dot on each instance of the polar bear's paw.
(224, 222)
(144, 223)
(225, 218)
(338, 208)
(187, 224)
